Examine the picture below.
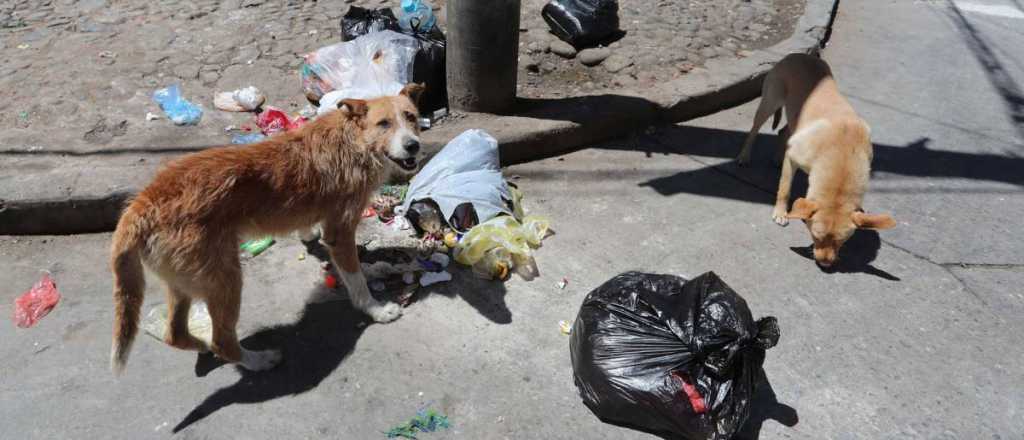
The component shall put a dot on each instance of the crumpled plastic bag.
(34, 304)
(242, 100)
(669, 356)
(179, 110)
(373, 65)
(505, 240)
(467, 170)
(199, 323)
(360, 21)
(273, 120)
(582, 23)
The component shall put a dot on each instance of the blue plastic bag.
(178, 110)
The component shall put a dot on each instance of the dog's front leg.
(341, 241)
(782, 198)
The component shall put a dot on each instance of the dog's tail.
(776, 118)
(129, 284)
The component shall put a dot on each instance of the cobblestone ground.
(80, 74)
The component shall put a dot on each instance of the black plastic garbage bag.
(669, 356)
(429, 69)
(428, 66)
(582, 23)
(360, 21)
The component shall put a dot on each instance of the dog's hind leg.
(773, 97)
(177, 334)
(224, 302)
(341, 241)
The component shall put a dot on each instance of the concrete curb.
(539, 129)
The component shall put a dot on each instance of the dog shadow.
(311, 348)
(855, 256)
(764, 405)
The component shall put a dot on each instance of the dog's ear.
(413, 92)
(353, 108)
(873, 221)
(802, 209)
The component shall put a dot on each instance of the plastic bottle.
(416, 16)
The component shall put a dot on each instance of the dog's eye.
(410, 117)
(384, 123)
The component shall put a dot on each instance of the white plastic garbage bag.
(465, 170)
(373, 65)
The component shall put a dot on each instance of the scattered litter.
(425, 421)
(370, 66)
(582, 23)
(248, 138)
(36, 303)
(451, 239)
(257, 246)
(369, 212)
(467, 170)
(302, 256)
(107, 54)
(199, 323)
(152, 116)
(330, 281)
(308, 112)
(400, 224)
(663, 354)
(273, 120)
(23, 46)
(408, 293)
(515, 240)
(241, 100)
(424, 123)
(565, 327)
(429, 278)
(440, 259)
(178, 109)
(563, 283)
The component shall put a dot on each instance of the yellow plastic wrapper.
(518, 239)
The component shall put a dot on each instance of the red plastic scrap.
(692, 394)
(33, 305)
(274, 120)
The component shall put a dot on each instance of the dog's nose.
(412, 146)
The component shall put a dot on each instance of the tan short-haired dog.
(829, 142)
(186, 226)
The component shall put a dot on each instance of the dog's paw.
(780, 218)
(260, 360)
(383, 313)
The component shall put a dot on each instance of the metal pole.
(482, 54)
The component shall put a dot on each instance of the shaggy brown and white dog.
(186, 226)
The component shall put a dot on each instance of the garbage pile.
(378, 55)
(669, 356)
(459, 208)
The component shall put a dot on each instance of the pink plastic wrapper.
(274, 120)
(33, 305)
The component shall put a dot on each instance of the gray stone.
(187, 70)
(708, 52)
(594, 56)
(529, 63)
(563, 49)
(537, 47)
(617, 62)
(547, 67)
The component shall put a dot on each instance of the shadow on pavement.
(765, 406)
(311, 348)
(314, 346)
(855, 256)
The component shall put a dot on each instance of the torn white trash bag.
(373, 65)
(467, 170)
